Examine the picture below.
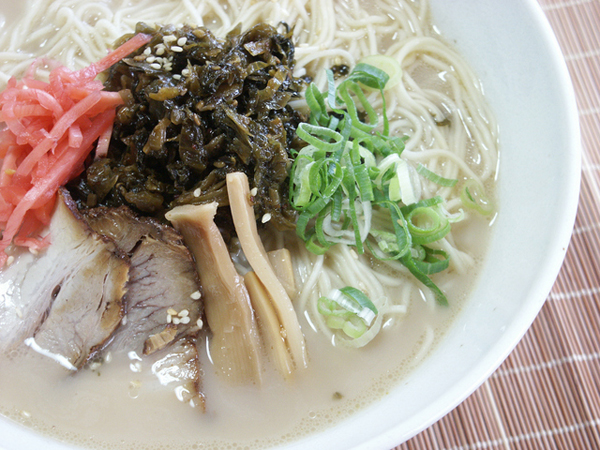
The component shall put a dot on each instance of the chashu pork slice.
(178, 368)
(163, 301)
(67, 301)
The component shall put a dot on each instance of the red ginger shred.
(50, 128)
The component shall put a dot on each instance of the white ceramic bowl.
(511, 47)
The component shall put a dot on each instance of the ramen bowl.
(512, 49)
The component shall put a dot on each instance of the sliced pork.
(163, 300)
(180, 370)
(67, 301)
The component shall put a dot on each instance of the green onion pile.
(350, 174)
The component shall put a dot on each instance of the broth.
(115, 407)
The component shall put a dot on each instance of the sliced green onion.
(422, 203)
(473, 196)
(349, 310)
(432, 176)
(364, 183)
(345, 91)
(407, 190)
(369, 75)
(301, 196)
(336, 322)
(368, 308)
(427, 225)
(354, 327)
(331, 90)
(431, 263)
(313, 245)
(414, 269)
(312, 134)
(336, 207)
(316, 103)
(391, 66)
(328, 307)
(336, 180)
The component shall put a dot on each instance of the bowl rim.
(540, 291)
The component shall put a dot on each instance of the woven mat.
(546, 395)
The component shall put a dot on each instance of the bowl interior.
(513, 50)
(511, 47)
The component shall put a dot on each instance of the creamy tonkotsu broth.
(119, 403)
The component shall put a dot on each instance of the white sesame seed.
(150, 59)
(124, 320)
(108, 358)
(177, 76)
(10, 260)
(171, 312)
(169, 318)
(196, 295)
(133, 356)
(185, 72)
(168, 67)
(181, 41)
(148, 51)
(169, 38)
(266, 218)
(95, 366)
(197, 192)
(176, 48)
(185, 320)
(155, 66)
(176, 320)
(18, 312)
(160, 51)
(183, 313)
(253, 192)
(33, 251)
(200, 323)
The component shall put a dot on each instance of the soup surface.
(120, 403)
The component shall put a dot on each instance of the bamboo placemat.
(546, 395)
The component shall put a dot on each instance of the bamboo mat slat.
(546, 395)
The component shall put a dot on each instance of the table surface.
(546, 395)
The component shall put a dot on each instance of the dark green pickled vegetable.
(199, 108)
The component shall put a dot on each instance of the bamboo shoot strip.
(234, 344)
(244, 221)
